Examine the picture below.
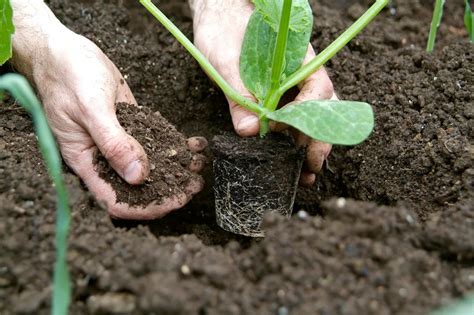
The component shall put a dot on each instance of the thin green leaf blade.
(260, 40)
(335, 122)
(469, 21)
(19, 87)
(6, 30)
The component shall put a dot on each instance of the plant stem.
(21, 90)
(208, 68)
(280, 46)
(437, 15)
(264, 126)
(278, 60)
(327, 53)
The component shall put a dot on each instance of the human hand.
(79, 87)
(219, 29)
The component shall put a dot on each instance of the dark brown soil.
(167, 153)
(254, 176)
(404, 248)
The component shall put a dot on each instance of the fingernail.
(133, 173)
(247, 123)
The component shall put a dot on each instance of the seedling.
(282, 30)
(469, 21)
(21, 90)
(436, 21)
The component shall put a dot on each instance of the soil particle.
(167, 153)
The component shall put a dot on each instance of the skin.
(219, 28)
(79, 87)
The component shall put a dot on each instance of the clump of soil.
(167, 153)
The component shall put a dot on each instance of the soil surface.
(387, 229)
(167, 154)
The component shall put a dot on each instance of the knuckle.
(321, 86)
(113, 150)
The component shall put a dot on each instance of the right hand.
(219, 29)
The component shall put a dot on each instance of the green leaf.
(260, 39)
(469, 21)
(335, 122)
(6, 30)
(301, 14)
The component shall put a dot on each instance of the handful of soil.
(167, 153)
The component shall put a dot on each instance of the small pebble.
(185, 270)
(302, 215)
(341, 202)
(410, 219)
(172, 153)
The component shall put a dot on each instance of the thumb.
(246, 123)
(123, 152)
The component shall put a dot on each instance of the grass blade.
(469, 21)
(435, 22)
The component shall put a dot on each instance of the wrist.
(37, 31)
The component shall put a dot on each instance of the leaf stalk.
(202, 60)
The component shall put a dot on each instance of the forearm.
(35, 28)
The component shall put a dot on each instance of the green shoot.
(278, 56)
(435, 22)
(6, 30)
(460, 307)
(21, 90)
(469, 21)
(281, 29)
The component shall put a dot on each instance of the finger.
(79, 156)
(157, 210)
(307, 179)
(124, 153)
(246, 123)
(317, 86)
(197, 144)
(197, 163)
(316, 153)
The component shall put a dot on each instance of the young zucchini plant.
(275, 44)
(18, 86)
